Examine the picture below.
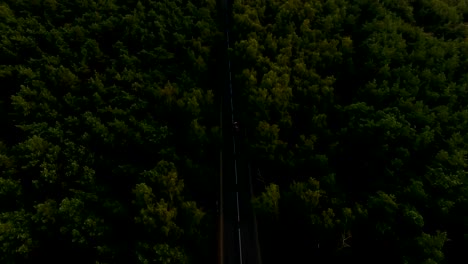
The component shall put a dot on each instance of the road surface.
(238, 239)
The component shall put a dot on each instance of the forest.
(355, 115)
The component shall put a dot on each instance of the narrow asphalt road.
(238, 239)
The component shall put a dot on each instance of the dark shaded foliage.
(357, 114)
(109, 125)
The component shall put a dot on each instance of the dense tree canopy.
(108, 108)
(357, 113)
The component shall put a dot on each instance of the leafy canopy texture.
(356, 112)
(109, 122)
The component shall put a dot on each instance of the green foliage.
(355, 112)
(105, 105)
(367, 98)
(15, 234)
(164, 221)
(268, 202)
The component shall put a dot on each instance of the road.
(238, 239)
